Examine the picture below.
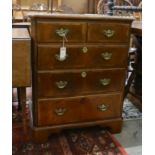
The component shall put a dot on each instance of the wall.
(77, 5)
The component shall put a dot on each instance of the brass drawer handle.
(102, 107)
(60, 111)
(62, 32)
(106, 55)
(57, 56)
(61, 84)
(84, 49)
(109, 33)
(105, 82)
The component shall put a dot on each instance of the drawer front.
(73, 110)
(82, 57)
(74, 32)
(49, 58)
(108, 32)
(82, 82)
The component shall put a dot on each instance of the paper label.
(62, 53)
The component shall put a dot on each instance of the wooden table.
(21, 25)
(21, 57)
(21, 77)
(137, 28)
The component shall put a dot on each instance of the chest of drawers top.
(87, 85)
(81, 28)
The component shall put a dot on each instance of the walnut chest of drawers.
(84, 86)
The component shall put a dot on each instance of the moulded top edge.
(81, 16)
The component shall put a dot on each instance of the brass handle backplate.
(106, 55)
(108, 33)
(102, 107)
(62, 32)
(60, 111)
(105, 82)
(61, 84)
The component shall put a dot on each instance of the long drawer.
(78, 109)
(108, 32)
(90, 56)
(79, 82)
(73, 31)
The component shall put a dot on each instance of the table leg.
(22, 105)
(19, 99)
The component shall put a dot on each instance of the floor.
(131, 135)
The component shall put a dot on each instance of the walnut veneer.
(86, 88)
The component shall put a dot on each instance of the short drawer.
(108, 32)
(74, 32)
(90, 56)
(80, 82)
(78, 109)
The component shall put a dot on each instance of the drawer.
(74, 32)
(49, 58)
(108, 32)
(80, 82)
(78, 109)
(82, 57)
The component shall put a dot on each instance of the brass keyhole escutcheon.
(83, 74)
(85, 49)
